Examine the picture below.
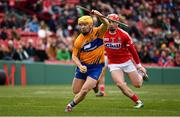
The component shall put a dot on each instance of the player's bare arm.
(76, 60)
(104, 21)
(134, 53)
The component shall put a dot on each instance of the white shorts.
(126, 66)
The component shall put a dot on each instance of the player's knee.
(84, 91)
(95, 85)
(120, 85)
(137, 85)
(75, 91)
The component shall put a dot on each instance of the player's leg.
(101, 83)
(89, 84)
(96, 88)
(136, 80)
(135, 77)
(118, 78)
(91, 78)
(77, 85)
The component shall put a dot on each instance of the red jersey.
(119, 47)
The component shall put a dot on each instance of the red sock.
(134, 98)
(102, 87)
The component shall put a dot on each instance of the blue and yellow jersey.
(89, 48)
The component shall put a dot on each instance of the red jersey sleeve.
(131, 48)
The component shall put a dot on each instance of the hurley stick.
(89, 11)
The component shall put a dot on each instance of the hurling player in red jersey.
(121, 55)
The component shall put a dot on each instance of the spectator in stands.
(38, 6)
(51, 49)
(40, 52)
(15, 22)
(176, 36)
(23, 22)
(139, 48)
(1, 51)
(169, 62)
(11, 21)
(20, 54)
(14, 34)
(156, 56)
(30, 49)
(11, 4)
(169, 39)
(62, 35)
(43, 32)
(3, 23)
(34, 24)
(162, 59)
(165, 58)
(52, 23)
(3, 33)
(146, 55)
(26, 27)
(177, 59)
(63, 53)
(9, 51)
(47, 6)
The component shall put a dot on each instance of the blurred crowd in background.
(44, 30)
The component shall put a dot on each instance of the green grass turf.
(159, 100)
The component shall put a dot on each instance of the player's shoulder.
(80, 37)
(79, 40)
(121, 31)
(96, 29)
(124, 34)
(96, 32)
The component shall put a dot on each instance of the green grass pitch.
(46, 100)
